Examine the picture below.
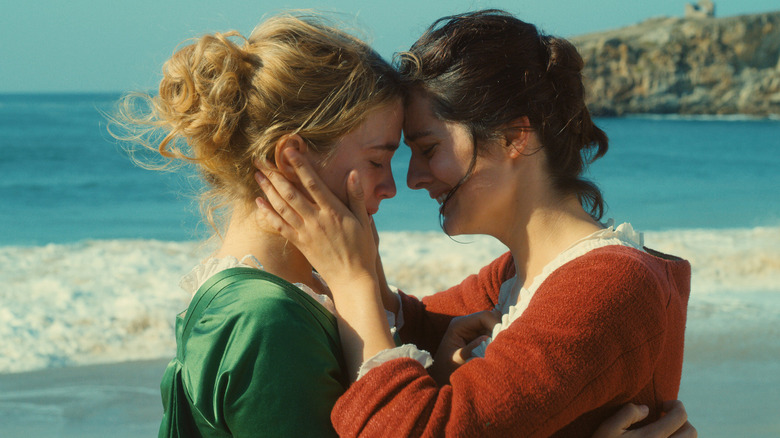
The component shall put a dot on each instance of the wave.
(115, 300)
(722, 260)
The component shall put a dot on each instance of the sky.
(113, 46)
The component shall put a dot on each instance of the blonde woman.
(258, 351)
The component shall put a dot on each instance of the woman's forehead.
(419, 120)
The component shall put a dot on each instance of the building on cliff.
(675, 65)
(702, 9)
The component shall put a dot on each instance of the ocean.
(92, 246)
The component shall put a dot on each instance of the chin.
(452, 228)
(457, 223)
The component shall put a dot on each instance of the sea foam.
(115, 300)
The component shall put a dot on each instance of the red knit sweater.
(604, 329)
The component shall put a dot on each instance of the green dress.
(258, 357)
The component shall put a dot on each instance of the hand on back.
(673, 424)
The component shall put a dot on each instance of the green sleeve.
(259, 363)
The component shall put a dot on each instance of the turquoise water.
(92, 248)
(64, 179)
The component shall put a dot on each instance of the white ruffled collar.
(201, 273)
(623, 232)
(623, 235)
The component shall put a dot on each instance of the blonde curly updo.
(224, 101)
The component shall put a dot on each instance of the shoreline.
(117, 399)
(723, 399)
(119, 302)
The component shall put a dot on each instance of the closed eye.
(428, 151)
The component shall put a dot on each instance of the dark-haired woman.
(590, 319)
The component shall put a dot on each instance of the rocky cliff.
(685, 66)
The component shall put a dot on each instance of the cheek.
(336, 182)
(446, 168)
(372, 180)
(417, 164)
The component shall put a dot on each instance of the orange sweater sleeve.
(426, 321)
(602, 330)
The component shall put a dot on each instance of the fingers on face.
(282, 205)
(310, 180)
(316, 189)
(273, 219)
(354, 186)
(355, 193)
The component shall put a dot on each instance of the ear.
(288, 141)
(518, 133)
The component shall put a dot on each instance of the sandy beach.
(732, 398)
(117, 400)
(726, 399)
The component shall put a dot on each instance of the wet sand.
(723, 399)
(117, 400)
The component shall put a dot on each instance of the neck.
(541, 222)
(549, 229)
(247, 234)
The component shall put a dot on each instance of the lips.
(440, 197)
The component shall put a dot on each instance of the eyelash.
(429, 151)
(375, 164)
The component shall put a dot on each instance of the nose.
(386, 188)
(419, 175)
